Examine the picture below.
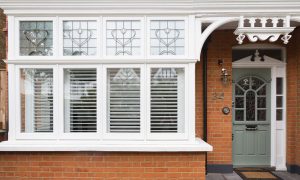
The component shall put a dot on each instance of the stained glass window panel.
(80, 38)
(123, 37)
(36, 38)
(167, 37)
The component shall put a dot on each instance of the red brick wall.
(102, 165)
(219, 125)
(292, 117)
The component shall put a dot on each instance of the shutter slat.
(82, 100)
(164, 100)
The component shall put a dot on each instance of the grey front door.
(251, 117)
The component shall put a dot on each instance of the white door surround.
(278, 70)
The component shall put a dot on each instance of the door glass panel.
(250, 106)
(279, 101)
(239, 115)
(262, 91)
(238, 91)
(256, 83)
(261, 115)
(261, 102)
(239, 102)
(279, 114)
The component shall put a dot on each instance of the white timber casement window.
(36, 96)
(104, 80)
(167, 100)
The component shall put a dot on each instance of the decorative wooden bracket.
(264, 28)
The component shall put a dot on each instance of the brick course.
(102, 165)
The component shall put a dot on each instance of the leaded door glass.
(250, 99)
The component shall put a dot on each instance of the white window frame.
(168, 136)
(124, 136)
(61, 105)
(17, 39)
(21, 135)
(186, 37)
(101, 62)
(142, 40)
(98, 37)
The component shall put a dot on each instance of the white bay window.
(102, 81)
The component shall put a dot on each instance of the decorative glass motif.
(251, 91)
(167, 37)
(244, 83)
(36, 38)
(123, 37)
(80, 38)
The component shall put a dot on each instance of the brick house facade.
(154, 160)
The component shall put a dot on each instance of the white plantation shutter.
(80, 100)
(167, 100)
(123, 93)
(37, 100)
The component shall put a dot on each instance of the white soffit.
(201, 7)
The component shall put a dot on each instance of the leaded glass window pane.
(279, 101)
(36, 38)
(80, 38)
(123, 37)
(167, 37)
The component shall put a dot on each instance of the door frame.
(278, 70)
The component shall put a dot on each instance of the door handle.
(251, 128)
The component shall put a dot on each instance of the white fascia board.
(57, 7)
(64, 145)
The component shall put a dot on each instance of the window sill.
(197, 146)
